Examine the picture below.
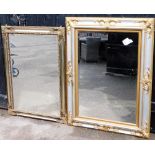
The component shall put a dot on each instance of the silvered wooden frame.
(60, 32)
(145, 29)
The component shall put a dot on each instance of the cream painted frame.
(145, 28)
(60, 32)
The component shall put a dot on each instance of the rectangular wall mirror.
(35, 71)
(109, 73)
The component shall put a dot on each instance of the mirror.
(35, 73)
(35, 58)
(107, 69)
(109, 73)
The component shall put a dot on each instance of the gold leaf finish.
(146, 81)
(70, 118)
(69, 73)
(145, 130)
(68, 26)
(107, 23)
(70, 23)
(148, 27)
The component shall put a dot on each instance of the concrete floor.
(21, 128)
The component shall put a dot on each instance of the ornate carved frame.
(145, 28)
(60, 32)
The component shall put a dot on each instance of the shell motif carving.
(107, 23)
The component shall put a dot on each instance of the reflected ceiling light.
(127, 41)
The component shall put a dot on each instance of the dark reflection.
(108, 75)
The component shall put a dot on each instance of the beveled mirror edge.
(146, 25)
(60, 32)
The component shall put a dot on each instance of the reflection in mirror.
(35, 73)
(107, 64)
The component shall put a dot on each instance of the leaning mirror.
(34, 68)
(109, 73)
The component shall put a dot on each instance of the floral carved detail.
(107, 22)
(105, 128)
(146, 82)
(69, 73)
(68, 26)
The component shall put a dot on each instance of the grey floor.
(21, 128)
(104, 96)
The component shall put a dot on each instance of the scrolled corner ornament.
(70, 23)
(148, 27)
(146, 82)
(69, 73)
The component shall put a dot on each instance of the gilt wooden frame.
(60, 32)
(145, 28)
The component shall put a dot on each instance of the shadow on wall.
(3, 97)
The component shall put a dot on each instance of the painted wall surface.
(54, 20)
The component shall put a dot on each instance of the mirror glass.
(35, 73)
(107, 75)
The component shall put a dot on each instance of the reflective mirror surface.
(35, 73)
(107, 72)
